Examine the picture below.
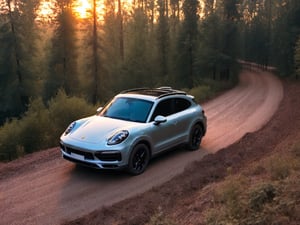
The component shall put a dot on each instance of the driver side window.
(163, 108)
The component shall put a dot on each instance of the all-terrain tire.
(195, 137)
(139, 159)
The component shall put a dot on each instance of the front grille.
(107, 156)
(81, 162)
(69, 150)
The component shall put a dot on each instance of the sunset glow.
(83, 8)
(46, 10)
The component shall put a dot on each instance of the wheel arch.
(202, 126)
(143, 141)
(147, 143)
(201, 123)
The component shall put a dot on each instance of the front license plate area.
(77, 156)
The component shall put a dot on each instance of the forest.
(85, 51)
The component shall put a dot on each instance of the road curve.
(45, 189)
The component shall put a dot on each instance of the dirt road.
(44, 189)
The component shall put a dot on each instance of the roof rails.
(174, 92)
(135, 89)
(157, 92)
(165, 88)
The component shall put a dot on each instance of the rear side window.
(181, 104)
(170, 106)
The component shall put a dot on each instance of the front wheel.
(139, 159)
(195, 138)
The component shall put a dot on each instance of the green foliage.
(9, 134)
(201, 92)
(230, 194)
(34, 127)
(262, 194)
(62, 68)
(279, 168)
(206, 89)
(63, 110)
(17, 56)
(41, 126)
(187, 45)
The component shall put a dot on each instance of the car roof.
(153, 93)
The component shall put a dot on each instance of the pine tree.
(63, 64)
(187, 43)
(163, 37)
(17, 52)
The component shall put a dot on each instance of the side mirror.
(159, 119)
(99, 110)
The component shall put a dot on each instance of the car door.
(164, 135)
(182, 115)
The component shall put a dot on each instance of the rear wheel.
(139, 159)
(195, 138)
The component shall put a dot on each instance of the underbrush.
(207, 89)
(268, 194)
(159, 218)
(41, 125)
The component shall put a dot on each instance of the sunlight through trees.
(95, 48)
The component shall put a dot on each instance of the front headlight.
(118, 137)
(70, 128)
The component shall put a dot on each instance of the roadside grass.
(160, 218)
(267, 194)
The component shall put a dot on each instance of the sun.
(83, 8)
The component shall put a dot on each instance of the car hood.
(98, 129)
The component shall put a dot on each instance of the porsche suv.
(133, 127)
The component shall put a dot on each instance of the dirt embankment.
(179, 197)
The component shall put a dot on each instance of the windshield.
(130, 109)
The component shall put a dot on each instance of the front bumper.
(94, 159)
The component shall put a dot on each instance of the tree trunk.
(95, 53)
(121, 38)
(17, 58)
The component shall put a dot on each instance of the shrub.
(25, 135)
(229, 194)
(279, 168)
(264, 193)
(9, 134)
(201, 93)
(34, 129)
(64, 109)
(40, 127)
(205, 89)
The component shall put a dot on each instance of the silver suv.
(133, 127)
